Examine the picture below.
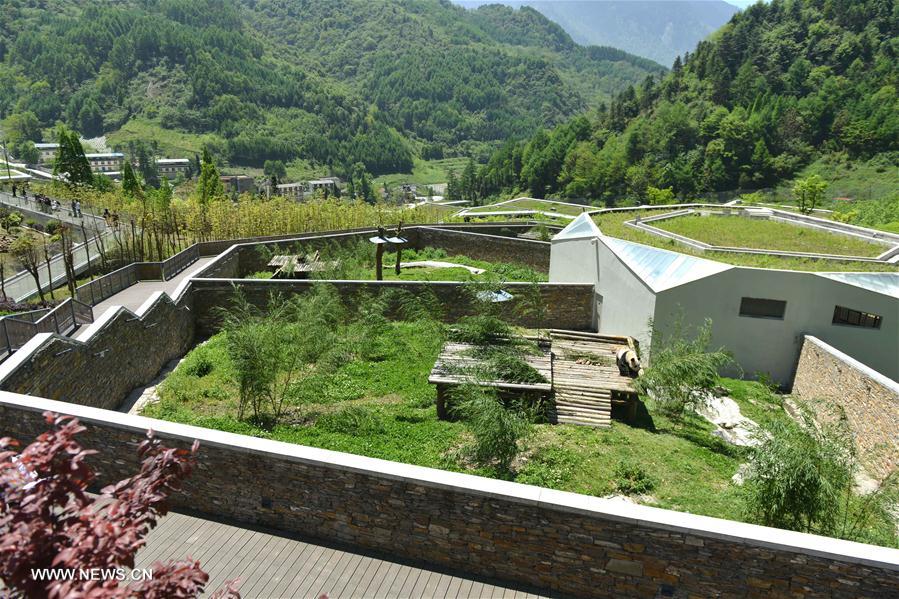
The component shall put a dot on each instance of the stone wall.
(118, 352)
(568, 305)
(482, 245)
(562, 542)
(491, 242)
(826, 377)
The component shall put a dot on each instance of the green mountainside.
(329, 83)
(779, 86)
(657, 29)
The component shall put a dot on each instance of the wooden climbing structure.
(583, 378)
(586, 379)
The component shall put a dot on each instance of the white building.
(170, 168)
(295, 191)
(759, 314)
(105, 162)
(48, 152)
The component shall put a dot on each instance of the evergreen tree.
(130, 184)
(209, 184)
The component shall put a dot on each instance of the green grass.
(612, 224)
(534, 204)
(424, 172)
(173, 144)
(860, 180)
(735, 231)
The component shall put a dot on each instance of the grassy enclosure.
(612, 224)
(763, 234)
(355, 379)
(534, 204)
(356, 261)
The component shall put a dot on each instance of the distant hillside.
(331, 83)
(656, 29)
(777, 87)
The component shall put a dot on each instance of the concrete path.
(137, 294)
(21, 286)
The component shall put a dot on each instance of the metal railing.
(62, 319)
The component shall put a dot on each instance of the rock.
(732, 426)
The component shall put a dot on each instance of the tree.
(28, 253)
(275, 171)
(71, 161)
(130, 184)
(49, 521)
(682, 370)
(657, 197)
(809, 192)
(209, 184)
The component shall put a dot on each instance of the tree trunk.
(49, 272)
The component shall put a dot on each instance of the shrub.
(550, 467)
(801, 477)
(682, 370)
(632, 479)
(498, 431)
(351, 420)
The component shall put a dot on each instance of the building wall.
(771, 345)
(826, 377)
(565, 543)
(568, 306)
(626, 304)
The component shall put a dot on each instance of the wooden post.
(379, 262)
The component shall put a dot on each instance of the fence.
(16, 331)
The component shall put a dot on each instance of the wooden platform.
(581, 368)
(272, 565)
(586, 378)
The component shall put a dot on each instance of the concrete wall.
(562, 542)
(772, 345)
(826, 377)
(568, 306)
(486, 245)
(627, 304)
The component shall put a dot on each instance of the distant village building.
(106, 162)
(170, 168)
(329, 184)
(47, 151)
(238, 183)
(295, 191)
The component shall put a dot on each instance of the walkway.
(21, 286)
(133, 297)
(272, 565)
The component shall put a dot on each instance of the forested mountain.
(778, 85)
(656, 29)
(337, 82)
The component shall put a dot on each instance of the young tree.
(275, 171)
(27, 252)
(809, 192)
(130, 184)
(47, 520)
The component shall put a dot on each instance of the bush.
(352, 420)
(801, 477)
(682, 371)
(550, 467)
(498, 432)
(632, 479)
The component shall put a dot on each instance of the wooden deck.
(271, 565)
(455, 359)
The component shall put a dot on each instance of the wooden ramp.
(586, 379)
